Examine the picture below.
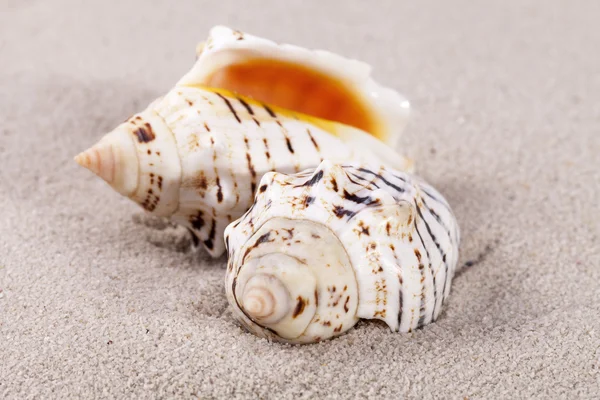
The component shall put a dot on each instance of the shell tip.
(100, 160)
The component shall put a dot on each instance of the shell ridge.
(159, 115)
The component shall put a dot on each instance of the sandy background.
(97, 300)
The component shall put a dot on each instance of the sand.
(99, 301)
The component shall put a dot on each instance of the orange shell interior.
(296, 88)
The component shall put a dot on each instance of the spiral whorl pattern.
(265, 299)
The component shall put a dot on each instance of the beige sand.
(95, 303)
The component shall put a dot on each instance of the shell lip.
(227, 47)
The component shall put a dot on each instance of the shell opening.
(296, 88)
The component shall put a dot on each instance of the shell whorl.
(395, 233)
(281, 287)
(139, 159)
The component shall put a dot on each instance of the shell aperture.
(313, 82)
(372, 243)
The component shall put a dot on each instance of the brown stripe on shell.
(250, 166)
(312, 139)
(230, 106)
(300, 305)
(219, 190)
(246, 106)
(210, 242)
(346, 304)
(197, 220)
(267, 153)
(269, 111)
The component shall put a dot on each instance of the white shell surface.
(197, 155)
(225, 145)
(225, 47)
(397, 233)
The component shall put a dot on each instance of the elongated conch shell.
(197, 154)
(319, 250)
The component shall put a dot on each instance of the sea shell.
(321, 249)
(197, 154)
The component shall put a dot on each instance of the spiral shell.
(322, 248)
(197, 154)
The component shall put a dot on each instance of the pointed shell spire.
(114, 159)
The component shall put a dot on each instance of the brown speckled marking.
(250, 166)
(341, 212)
(418, 254)
(300, 305)
(334, 184)
(308, 200)
(327, 323)
(189, 102)
(381, 289)
(238, 35)
(202, 183)
(144, 133)
(388, 227)
(316, 298)
(263, 188)
(151, 201)
(364, 230)
(197, 220)
(267, 153)
(339, 328)
(219, 190)
(346, 304)
(206, 127)
(409, 221)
